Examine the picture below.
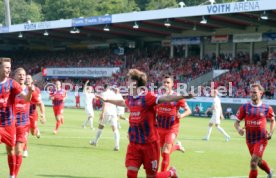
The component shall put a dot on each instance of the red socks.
(264, 166)
(132, 174)
(12, 162)
(18, 164)
(57, 124)
(25, 147)
(253, 173)
(164, 174)
(165, 161)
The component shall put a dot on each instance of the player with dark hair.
(33, 114)
(108, 116)
(58, 96)
(168, 118)
(144, 147)
(254, 115)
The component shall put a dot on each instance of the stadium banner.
(70, 100)
(269, 36)
(166, 43)
(247, 37)
(81, 72)
(230, 100)
(185, 40)
(77, 22)
(220, 8)
(220, 39)
(4, 29)
(40, 25)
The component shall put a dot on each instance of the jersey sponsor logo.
(253, 123)
(135, 115)
(20, 106)
(165, 109)
(3, 101)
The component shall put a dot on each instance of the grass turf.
(69, 155)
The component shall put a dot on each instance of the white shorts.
(215, 120)
(89, 111)
(110, 120)
(120, 112)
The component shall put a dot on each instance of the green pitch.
(69, 155)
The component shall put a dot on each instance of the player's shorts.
(110, 120)
(215, 120)
(167, 136)
(120, 112)
(58, 110)
(7, 135)
(257, 148)
(22, 133)
(33, 120)
(89, 111)
(147, 154)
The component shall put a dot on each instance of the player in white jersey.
(88, 98)
(108, 116)
(216, 117)
(120, 109)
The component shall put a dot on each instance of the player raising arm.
(254, 115)
(9, 89)
(89, 96)
(144, 147)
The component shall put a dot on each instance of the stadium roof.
(234, 17)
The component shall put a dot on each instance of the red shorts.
(147, 154)
(22, 133)
(58, 110)
(257, 148)
(167, 136)
(33, 120)
(7, 135)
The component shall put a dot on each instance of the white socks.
(98, 135)
(116, 138)
(209, 133)
(223, 132)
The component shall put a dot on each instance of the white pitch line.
(237, 177)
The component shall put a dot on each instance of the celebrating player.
(9, 89)
(58, 96)
(254, 115)
(216, 116)
(89, 96)
(108, 116)
(35, 101)
(144, 147)
(168, 116)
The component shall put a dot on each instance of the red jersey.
(59, 96)
(166, 113)
(22, 109)
(142, 124)
(34, 101)
(255, 120)
(9, 89)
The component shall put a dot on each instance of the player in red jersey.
(9, 89)
(254, 115)
(144, 147)
(58, 96)
(77, 97)
(33, 114)
(168, 118)
(22, 122)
